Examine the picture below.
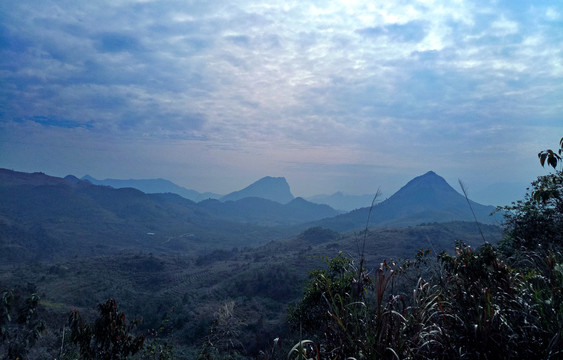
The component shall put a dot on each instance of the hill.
(183, 292)
(271, 188)
(153, 186)
(343, 202)
(425, 199)
(45, 218)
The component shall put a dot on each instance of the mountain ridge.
(44, 214)
(425, 198)
(153, 186)
(342, 201)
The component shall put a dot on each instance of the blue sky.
(333, 95)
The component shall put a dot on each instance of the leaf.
(552, 160)
(542, 157)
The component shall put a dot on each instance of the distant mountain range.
(154, 186)
(426, 198)
(43, 216)
(343, 202)
(270, 188)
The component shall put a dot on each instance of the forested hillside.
(434, 290)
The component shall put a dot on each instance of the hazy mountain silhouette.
(271, 188)
(344, 202)
(154, 186)
(426, 198)
(268, 212)
(44, 217)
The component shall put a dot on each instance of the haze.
(333, 95)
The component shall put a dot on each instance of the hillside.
(44, 217)
(268, 212)
(184, 292)
(47, 218)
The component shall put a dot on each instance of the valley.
(175, 263)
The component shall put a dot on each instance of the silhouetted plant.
(20, 325)
(223, 341)
(109, 338)
(536, 223)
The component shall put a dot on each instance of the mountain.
(47, 218)
(424, 199)
(271, 188)
(153, 186)
(342, 201)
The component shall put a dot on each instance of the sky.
(346, 96)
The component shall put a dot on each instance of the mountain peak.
(72, 179)
(271, 188)
(429, 179)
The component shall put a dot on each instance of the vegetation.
(109, 338)
(20, 326)
(489, 303)
(477, 301)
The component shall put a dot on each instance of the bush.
(20, 326)
(109, 338)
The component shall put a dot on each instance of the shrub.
(20, 325)
(109, 338)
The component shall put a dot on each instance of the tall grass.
(475, 306)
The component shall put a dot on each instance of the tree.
(20, 326)
(536, 223)
(109, 338)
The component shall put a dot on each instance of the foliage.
(317, 235)
(550, 155)
(156, 346)
(536, 223)
(490, 303)
(20, 325)
(223, 339)
(349, 313)
(109, 338)
(492, 310)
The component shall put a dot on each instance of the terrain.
(153, 186)
(185, 292)
(176, 263)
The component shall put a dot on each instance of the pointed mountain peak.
(271, 188)
(428, 179)
(429, 188)
(430, 173)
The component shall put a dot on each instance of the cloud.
(117, 42)
(413, 31)
(63, 123)
(374, 77)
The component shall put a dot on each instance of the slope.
(426, 198)
(44, 218)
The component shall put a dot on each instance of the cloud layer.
(304, 89)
